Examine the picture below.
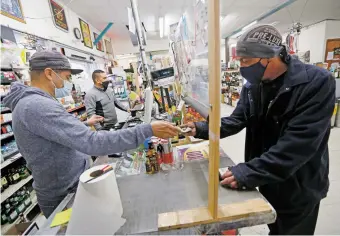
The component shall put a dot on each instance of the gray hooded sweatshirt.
(56, 145)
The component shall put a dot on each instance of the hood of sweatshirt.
(19, 91)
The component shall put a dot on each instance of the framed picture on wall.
(85, 30)
(108, 47)
(99, 45)
(58, 16)
(12, 9)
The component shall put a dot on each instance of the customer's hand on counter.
(229, 179)
(190, 125)
(164, 129)
(94, 120)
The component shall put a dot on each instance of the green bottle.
(15, 176)
(20, 207)
(27, 199)
(13, 215)
(23, 172)
(3, 217)
(4, 182)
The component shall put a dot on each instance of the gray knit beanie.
(263, 41)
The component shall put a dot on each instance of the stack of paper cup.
(97, 207)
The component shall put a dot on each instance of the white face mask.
(65, 90)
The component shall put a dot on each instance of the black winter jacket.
(291, 169)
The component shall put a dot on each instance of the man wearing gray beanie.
(286, 108)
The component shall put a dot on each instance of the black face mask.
(254, 73)
(105, 84)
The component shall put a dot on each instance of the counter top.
(145, 196)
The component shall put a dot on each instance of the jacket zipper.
(285, 90)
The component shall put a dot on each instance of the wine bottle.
(13, 215)
(3, 217)
(4, 182)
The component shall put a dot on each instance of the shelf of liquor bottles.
(16, 209)
(10, 160)
(13, 178)
(13, 188)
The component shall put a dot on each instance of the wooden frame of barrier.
(213, 212)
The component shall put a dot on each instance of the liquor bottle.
(4, 182)
(4, 219)
(7, 204)
(148, 166)
(15, 176)
(22, 198)
(155, 162)
(27, 198)
(20, 208)
(12, 215)
(151, 150)
(23, 172)
(10, 177)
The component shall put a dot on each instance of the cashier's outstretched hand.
(229, 179)
(164, 129)
(94, 120)
(190, 125)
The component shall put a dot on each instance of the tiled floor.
(329, 215)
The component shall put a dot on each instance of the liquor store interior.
(170, 117)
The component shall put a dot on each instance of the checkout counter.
(182, 186)
(145, 196)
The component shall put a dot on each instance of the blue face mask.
(254, 73)
(65, 90)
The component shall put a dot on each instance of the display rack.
(8, 135)
(9, 154)
(232, 83)
(5, 228)
(13, 188)
(11, 159)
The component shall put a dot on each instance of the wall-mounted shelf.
(8, 135)
(11, 160)
(6, 122)
(6, 227)
(5, 110)
(5, 156)
(13, 188)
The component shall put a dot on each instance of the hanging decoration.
(12, 9)
(59, 16)
(85, 30)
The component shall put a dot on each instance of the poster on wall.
(99, 45)
(85, 30)
(108, 47)
(12, 9)
(59, 16)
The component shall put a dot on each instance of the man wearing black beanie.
(286, 108)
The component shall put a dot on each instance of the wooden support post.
(214, 99)
(213, 212)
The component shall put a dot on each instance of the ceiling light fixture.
(161, 27)
(274, 23)
(250, 25)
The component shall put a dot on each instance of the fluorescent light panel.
(161, 27)
(250, 25)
